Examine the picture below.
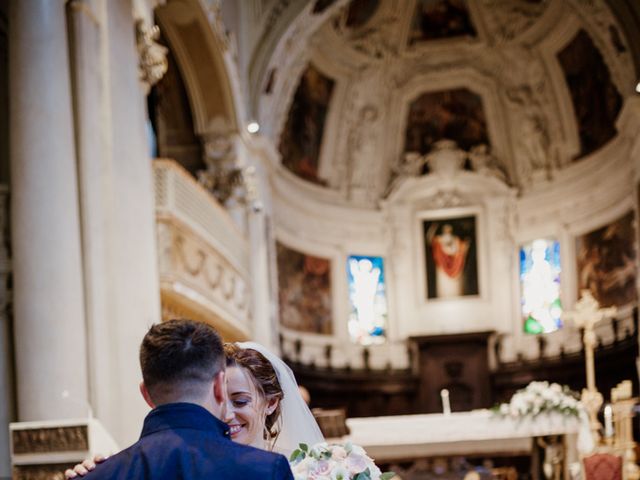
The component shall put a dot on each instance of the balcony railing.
(203, 255)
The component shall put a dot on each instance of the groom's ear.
(220, 387)
(145, 394)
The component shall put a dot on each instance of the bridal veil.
(297, 422)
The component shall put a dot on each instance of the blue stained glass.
(367, 298)
(540, 286)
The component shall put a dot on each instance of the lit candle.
(608, 421)
(446, 406)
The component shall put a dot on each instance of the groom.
(184, 382)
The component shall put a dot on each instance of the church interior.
(423, 206)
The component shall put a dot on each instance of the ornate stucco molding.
(203, 256)
(153, 56)
(189, 260)
(225, 178)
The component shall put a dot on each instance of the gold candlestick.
(623, 414)
(586, 315)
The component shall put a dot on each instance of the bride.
(264, 407)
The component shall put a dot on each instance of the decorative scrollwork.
(46, 440)
(224, 178)
(39, 472)
(180, 250)
(153, 56)
(208, 269)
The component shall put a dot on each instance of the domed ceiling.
(357, 94)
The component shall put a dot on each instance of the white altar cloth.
(464, 433)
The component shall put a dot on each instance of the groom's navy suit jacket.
(184, 441)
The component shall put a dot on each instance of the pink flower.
(323, 467)
(314, 476)
(356, 463)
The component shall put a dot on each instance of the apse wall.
(505, 126)
(583, 197)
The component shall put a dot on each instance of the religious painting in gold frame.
(451, 258)
(304, 291)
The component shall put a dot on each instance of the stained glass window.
(368, 299)
(540, 285)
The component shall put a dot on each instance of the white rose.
(358, 450)
(338, 453)
(339, 473)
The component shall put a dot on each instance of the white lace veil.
(296, 420)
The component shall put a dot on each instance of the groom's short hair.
(179, 358)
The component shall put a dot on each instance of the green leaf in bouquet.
(304, 447)
(366, 475)
(387, 475)
(297, 455)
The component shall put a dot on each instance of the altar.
(474, 433)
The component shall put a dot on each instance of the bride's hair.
(264, 378)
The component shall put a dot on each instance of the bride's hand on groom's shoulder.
(81, 469)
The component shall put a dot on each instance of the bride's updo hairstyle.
(264, 378)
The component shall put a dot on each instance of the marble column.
(259, 215)
(263, 330)
(94, 185)
(134, 291)
(6, 364)
(7, 407)
(50, 351)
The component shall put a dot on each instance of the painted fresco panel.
(436, 19)
(596, 101)
(304, 283)
(451, 257)
(301, 139)
(606, 260)
(360, 12)
(454, 114)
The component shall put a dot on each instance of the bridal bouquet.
(334, 462)
(541, 397)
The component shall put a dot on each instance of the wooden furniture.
(332, 422)
(614, 362)
(361, 392)
(458, 363)
(504, 473)
(602, 466)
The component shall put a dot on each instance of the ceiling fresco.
(435, 19)
(596, 101)
(538, 85)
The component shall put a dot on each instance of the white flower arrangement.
(334, 462)
(541, 397)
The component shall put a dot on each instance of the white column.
(94, 185)
(50, 336)
(6, 380)
(134, 298)
(7, 407)
(263, 330)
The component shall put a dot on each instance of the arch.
(200, 54)
(460, 78)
